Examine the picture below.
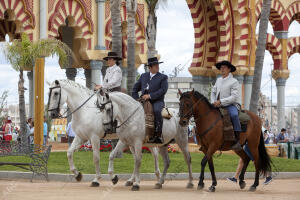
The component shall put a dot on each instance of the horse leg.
(212, 188)
(246, 160)
(201, 178)
(256, 164)
(164, 154)
(77, 142)
(130, 181)
(119, 147)
(154, 152)
(137, 165)
(96, 157)
(187, 157)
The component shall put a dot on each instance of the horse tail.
(264, 158)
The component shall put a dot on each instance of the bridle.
(57, 109)
(111, 126)
(191, 113)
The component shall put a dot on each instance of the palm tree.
(131, 13)
(21, 54)
(260, 54)
(116, 26)
(151, 26)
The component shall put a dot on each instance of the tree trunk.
(151, 33)
(22, 111)
(131, 13)
(260, 54)
(116, 26)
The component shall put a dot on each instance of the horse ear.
(56, 82)
(193, 90)
(179, 92)
(107, 95)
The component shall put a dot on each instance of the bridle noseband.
(57, 109)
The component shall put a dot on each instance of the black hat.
(153, 61)
(113, 55)
(227, 63)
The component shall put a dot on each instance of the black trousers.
(158, 120)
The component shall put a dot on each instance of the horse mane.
(66, 82)
(199, 96)
(126, 100)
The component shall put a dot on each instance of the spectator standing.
(28, 127)
(282, 137)
(32, 133)
(70, 133)
(266, 137)
(45, 131)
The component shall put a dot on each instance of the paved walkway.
(172, 190)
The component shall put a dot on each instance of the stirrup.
(237, 146)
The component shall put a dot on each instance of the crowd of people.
(283, 136)
(10, 132)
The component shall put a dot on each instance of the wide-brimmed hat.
(227, 63)
(113, 55)
(153, 61)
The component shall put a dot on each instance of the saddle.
(227, 124)
(149, 117)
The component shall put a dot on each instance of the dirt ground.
(23, 189)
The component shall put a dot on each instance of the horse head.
(56, 100)
(186, 104)
(105, 105)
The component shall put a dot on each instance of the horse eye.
(55, 93)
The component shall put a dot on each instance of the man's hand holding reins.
(217, 103)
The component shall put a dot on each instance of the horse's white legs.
(77, 142)
(154, 152)
(164, 153)
(96, 157)
(119, 147)
(130, 181)
(187, 157)
(137, 165)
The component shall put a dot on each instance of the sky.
(175, 44)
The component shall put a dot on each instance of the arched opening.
(294, 29)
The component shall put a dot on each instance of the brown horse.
(209, 129)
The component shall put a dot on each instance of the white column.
(248, 81)
(201, 84)
(100, 24)
(96, 75)
(280, 84)
(31, 94)
(240, 79)
(43, 19)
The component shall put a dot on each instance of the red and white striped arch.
(139, 30)
(23, 15)
(226, 29)
(278, 17)
(76, 9)
(275, 48)
(293, 46)
(293, 12)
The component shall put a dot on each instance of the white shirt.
(70, 132)
(113, 77)
(152, 75)
(228, 89)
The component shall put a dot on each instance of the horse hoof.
(190, 185)
(135, 188)
(128, 183)
(212, 188)
(252, 189)
(242, 184)
(78, 177)
(200, 186)
(95, 184)
(115, 180)
(158, 186)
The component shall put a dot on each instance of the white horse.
(86, 122)
(129, 114)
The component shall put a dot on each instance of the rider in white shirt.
(113, 77)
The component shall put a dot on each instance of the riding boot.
(157, 139)
(237, 146)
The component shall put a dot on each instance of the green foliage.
(58, 163)
(22, 53)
